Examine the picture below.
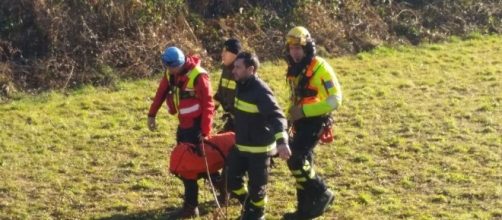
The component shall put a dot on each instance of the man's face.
(227, 57)
(296, 52)
(174, 70)
(240, 70)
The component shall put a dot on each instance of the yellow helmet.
(298, 36)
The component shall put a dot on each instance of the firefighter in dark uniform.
(225, 94)
(314, 94)
(260, 129)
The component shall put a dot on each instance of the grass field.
(419, 136)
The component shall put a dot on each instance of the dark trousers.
(301, 162)
(189, 135)
(191, 196)
(257, 168)
(192, 135)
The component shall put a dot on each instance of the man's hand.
(284, 151)
(203, 138)
(198, 147)
(151, 123)
(296, 112)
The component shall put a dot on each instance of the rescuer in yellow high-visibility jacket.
(314, 94)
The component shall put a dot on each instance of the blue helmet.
(173, 57)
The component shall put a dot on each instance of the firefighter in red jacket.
(187, 90)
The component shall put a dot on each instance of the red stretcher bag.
(188, 163)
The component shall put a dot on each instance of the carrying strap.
(216, 147)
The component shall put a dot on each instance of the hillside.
(418, 137)
(54, 44)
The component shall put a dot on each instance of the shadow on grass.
(167, 213)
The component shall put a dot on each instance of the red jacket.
(203, 93)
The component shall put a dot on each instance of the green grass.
(418, 137)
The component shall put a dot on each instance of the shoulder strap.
(309, 73)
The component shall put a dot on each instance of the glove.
(327, 135)
(203, 137)
(151, 123)
(197, 149)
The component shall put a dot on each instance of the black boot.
(300, 199)
(243, 199)
(253, 213)
(300, 213)
(221, 189)
(319, 204)
(187, 211)
(295, 216)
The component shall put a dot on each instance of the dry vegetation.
(55, 44)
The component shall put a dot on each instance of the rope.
(220, 212)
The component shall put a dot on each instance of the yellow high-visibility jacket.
(320, 93)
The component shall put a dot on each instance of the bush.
(56, 44)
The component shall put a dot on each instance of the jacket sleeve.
(160, 96)
(267, 105)
(204, 93)
(217, 96)
(331, 87)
